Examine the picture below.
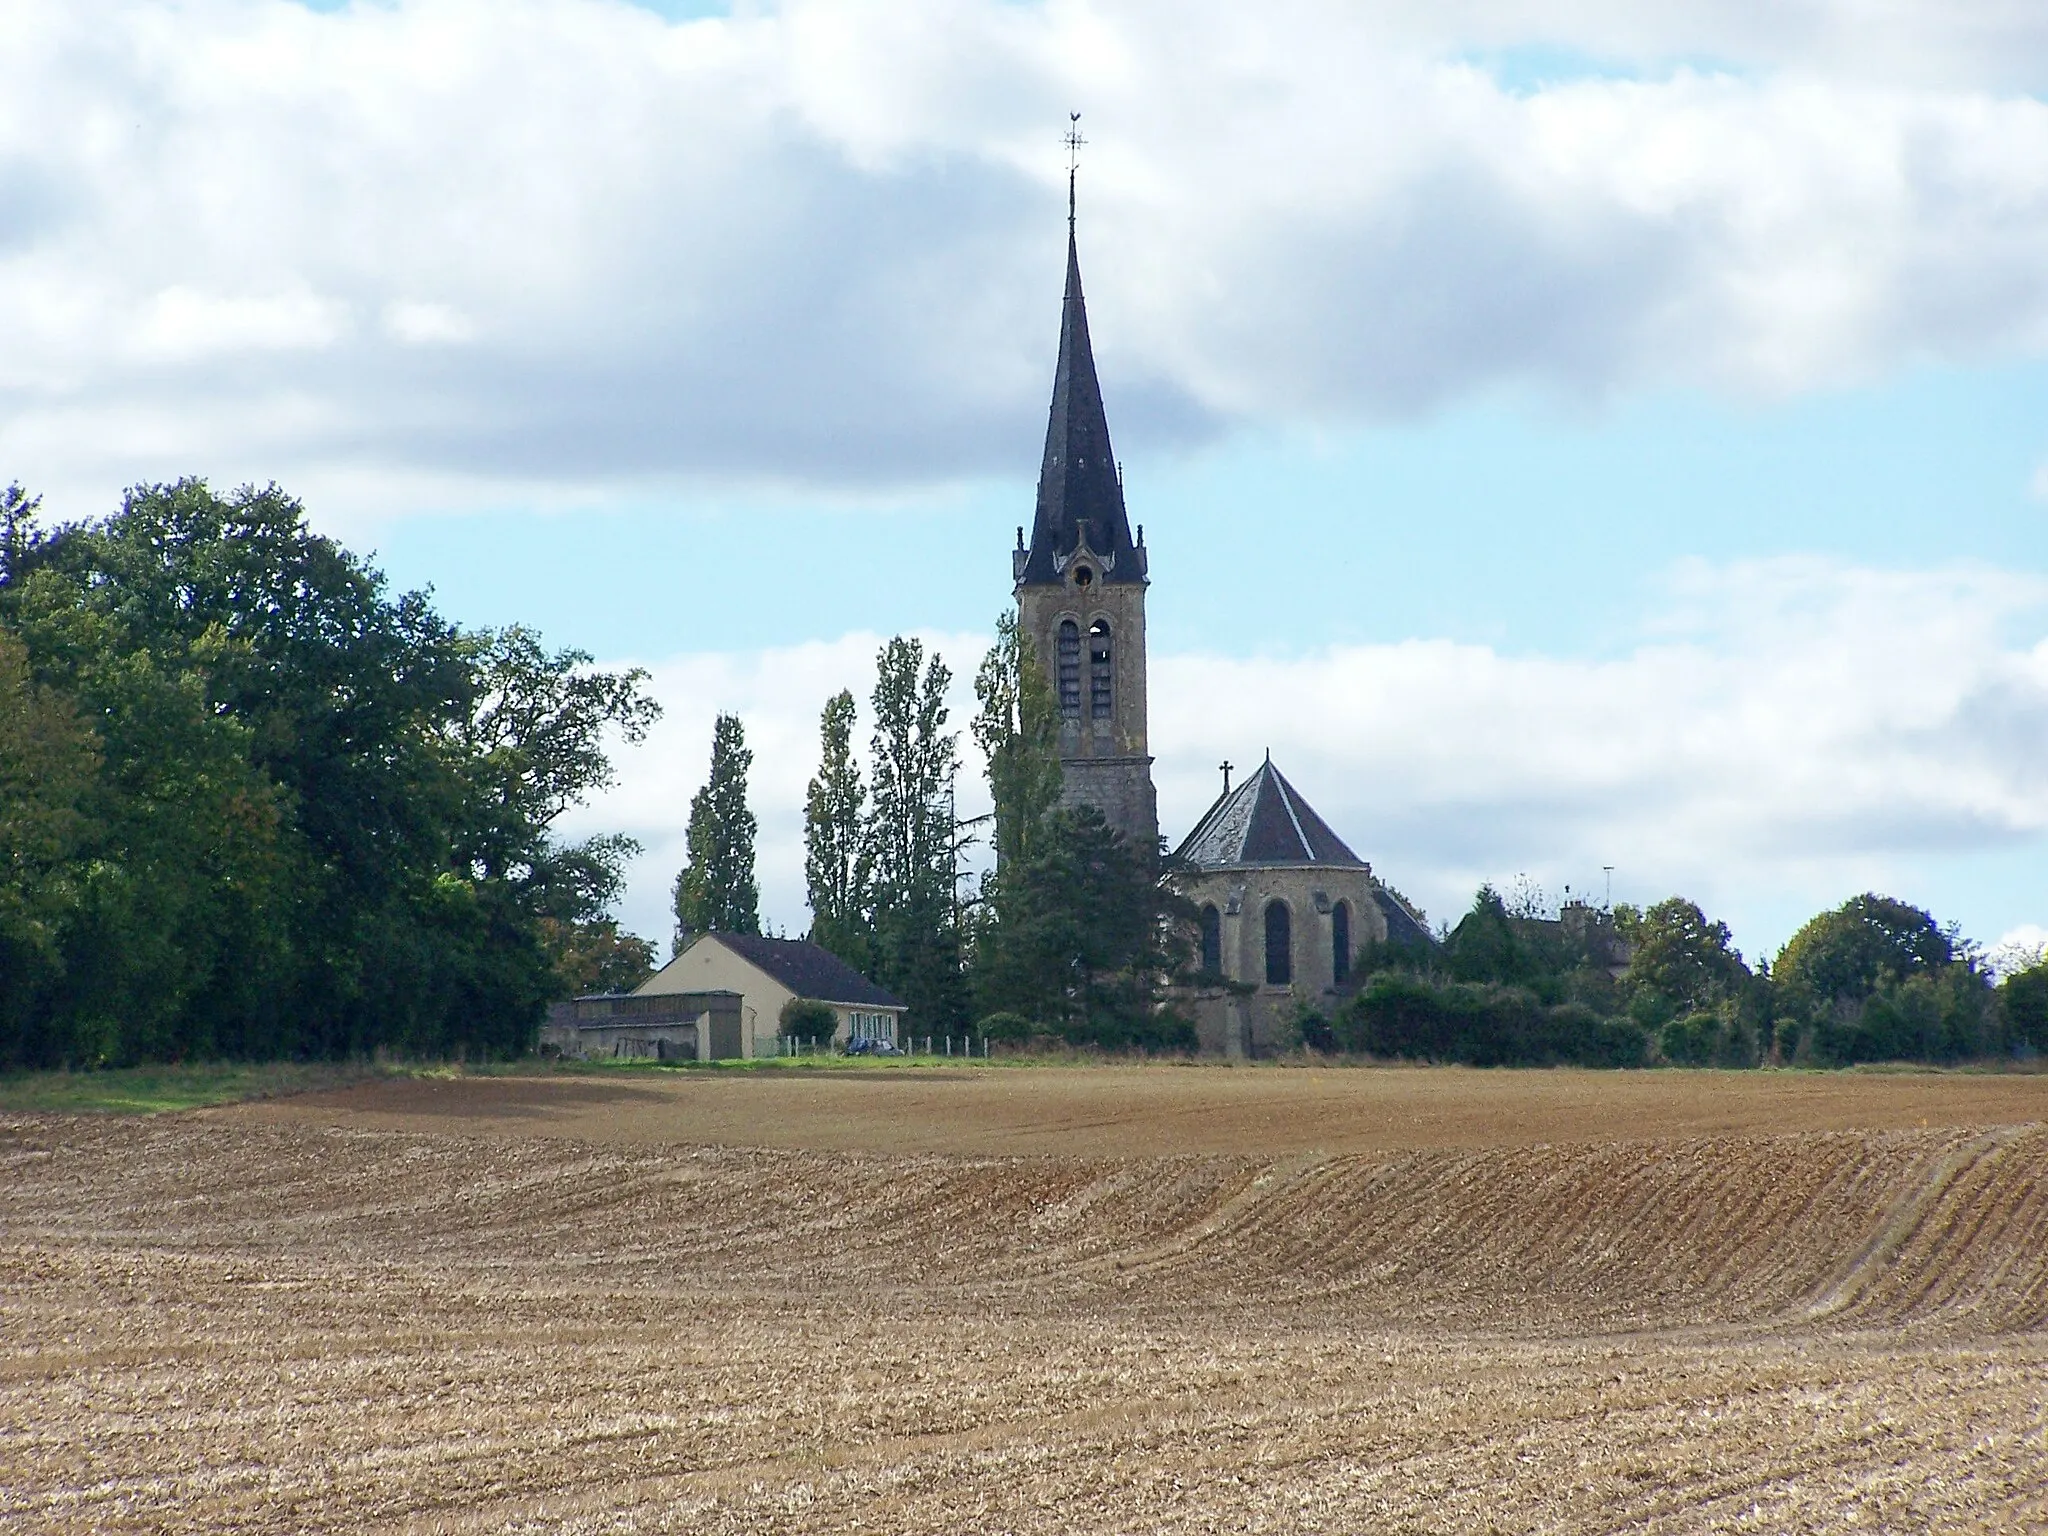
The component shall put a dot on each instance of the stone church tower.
(1080, 587)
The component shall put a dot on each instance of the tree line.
(1874, 979)
(1075, 935)
(255, 804)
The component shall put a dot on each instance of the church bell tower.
(1080, 586)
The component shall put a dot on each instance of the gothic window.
(1340, 943)
(1279, 945)
(1070, 667)
(1212, 940)
(1101, 694)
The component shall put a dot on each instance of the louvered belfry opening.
(1070, 668)
(1101, 671)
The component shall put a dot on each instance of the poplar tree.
(913, 837)
(1018, 731)
(715, 892)
(838, 861)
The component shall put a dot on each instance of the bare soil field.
(1158, 1111)
(1172, 1299)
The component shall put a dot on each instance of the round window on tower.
(1083, 576)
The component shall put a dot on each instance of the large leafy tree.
(1847, 953)
(715, 892)
(318, 826)
(1682, 958)
(838, 854)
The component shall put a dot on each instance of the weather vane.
(1073, 141)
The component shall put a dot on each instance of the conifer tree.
(838, 861)
(715, 892)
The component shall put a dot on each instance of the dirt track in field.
(1277, 1305)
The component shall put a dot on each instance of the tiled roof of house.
(808, 970)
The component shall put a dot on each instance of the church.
(1284, 903)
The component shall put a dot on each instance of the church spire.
(1080, 492)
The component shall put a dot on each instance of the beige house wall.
(708, 966)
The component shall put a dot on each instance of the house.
(769, 973)
(677, 1026)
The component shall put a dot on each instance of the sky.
(1591, 446)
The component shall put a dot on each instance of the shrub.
(1010, 1028)
(805, 1018)
(1693, 1041)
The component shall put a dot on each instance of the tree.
(1486, 945)
(913, 836)
(1085, 938)
(2023, 1002)
(49, 766)
(578, 884)
(321, 820)
(1879, 980)
(1847, 952)
(838, 857)
(1681, 959)
(715, 892)
(1017, 729)
(532, 743)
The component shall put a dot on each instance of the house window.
(1212, 940)
(1070, 667)
(1100, 694)
(870, 1026)
(1340, 943)
(1279, 945)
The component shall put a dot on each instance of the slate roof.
(809, 971)
(1403, 926)
(1077, 480)
(1264, 822)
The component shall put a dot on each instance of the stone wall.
(1258, 1024)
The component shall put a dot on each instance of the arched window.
(1279, 945)
(1070, 667)
(1340, 943)
(1212, 940)
(1100, 691)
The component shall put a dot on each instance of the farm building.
(769, 973)
(678, 1026)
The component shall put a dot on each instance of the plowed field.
(1181, 1300)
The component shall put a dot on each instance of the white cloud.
(425, 325)
(819, 242)
(1796, 732)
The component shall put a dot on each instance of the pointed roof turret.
(1080, 493)
(1264, 823)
